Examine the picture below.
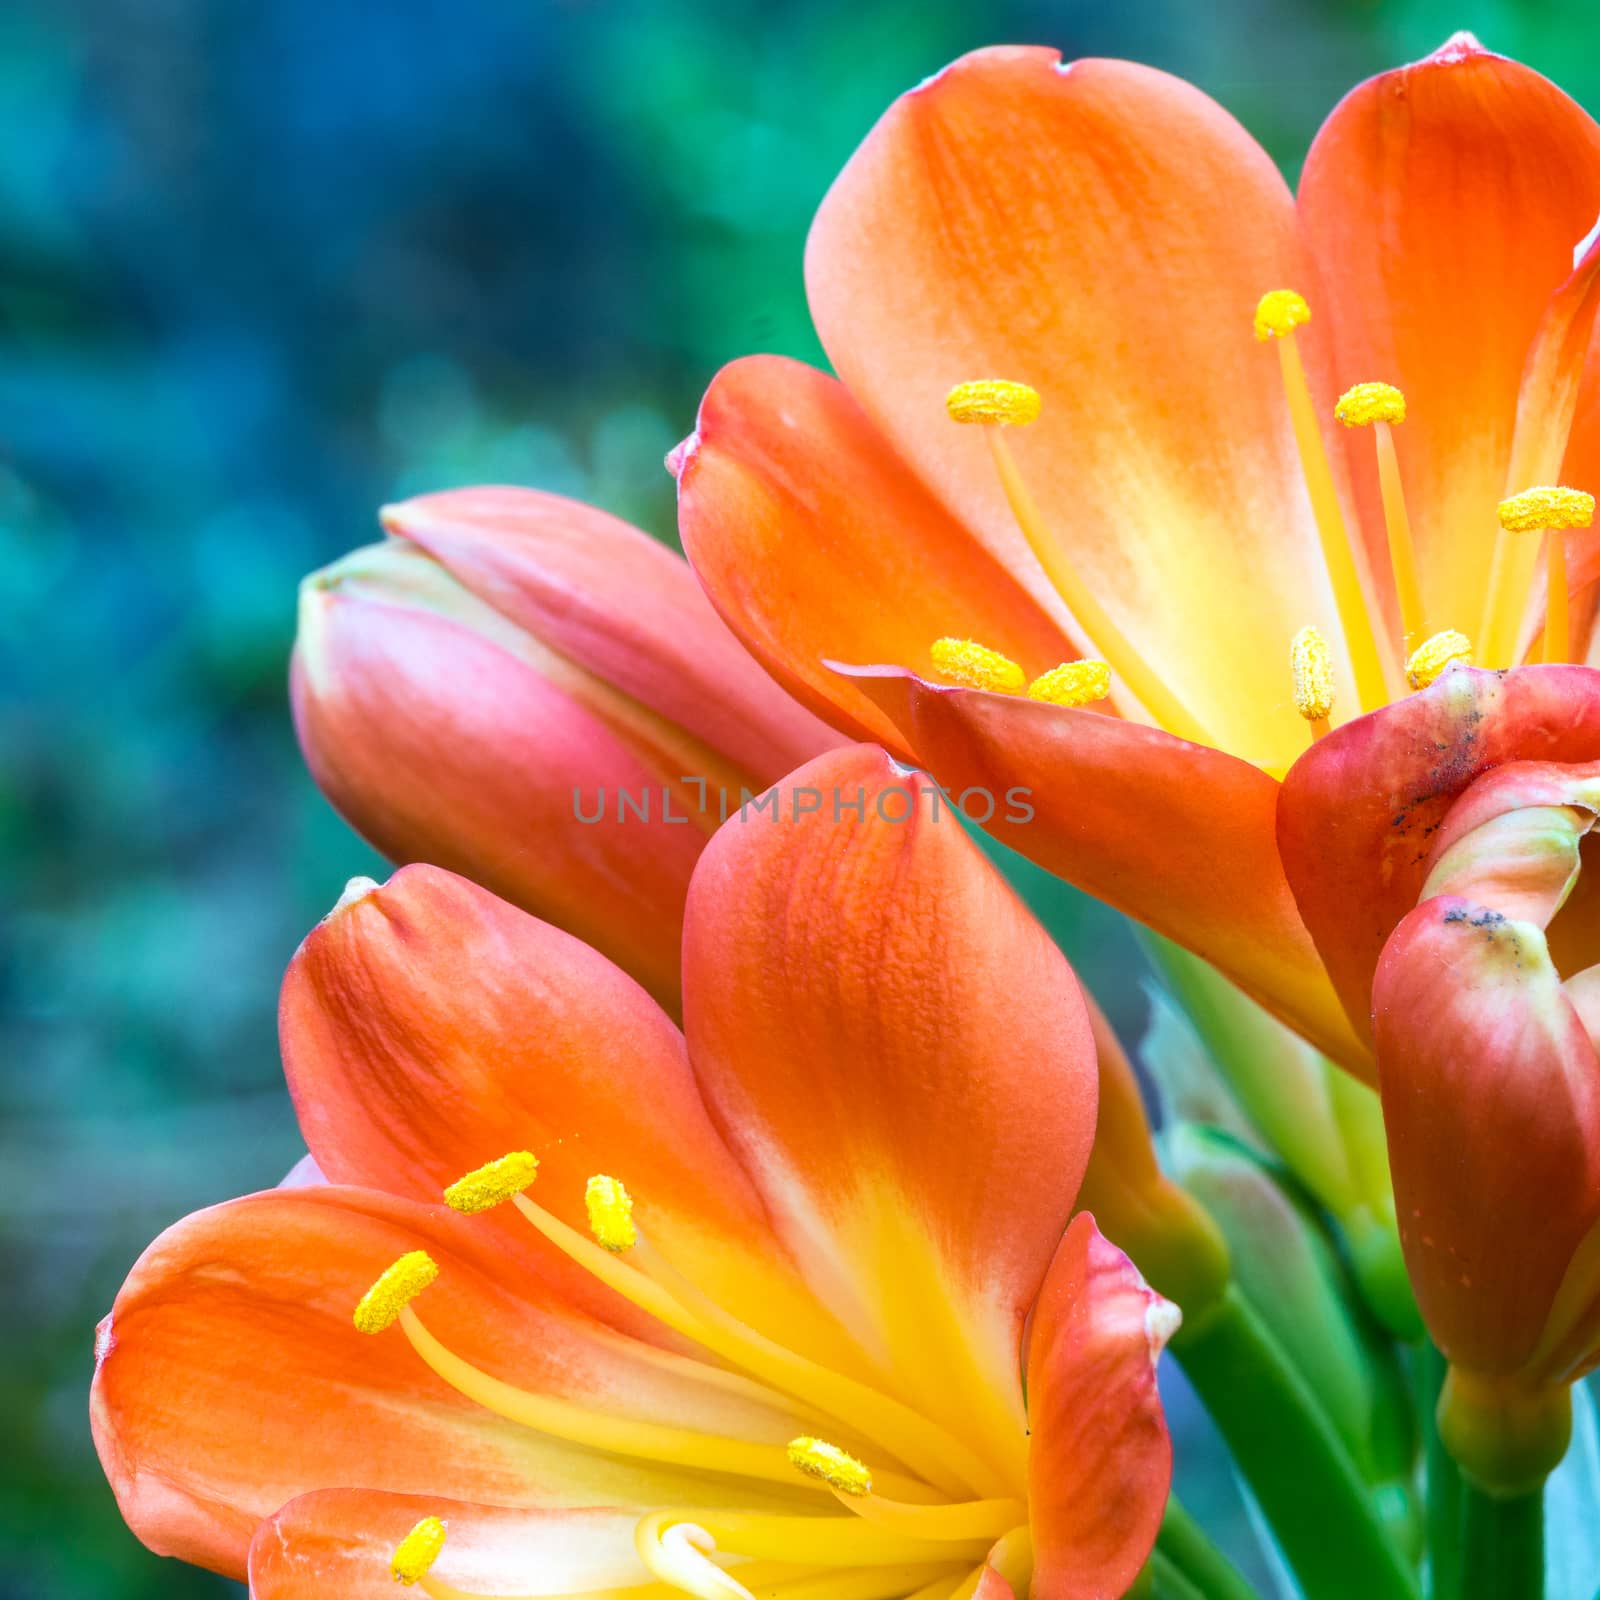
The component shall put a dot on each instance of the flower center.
(996, 405)
(917, 1524)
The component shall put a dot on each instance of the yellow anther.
(610, 1209)
(395, 1290)
(1535, 510)
(1432, 656)
(976, 666)
(1073, 683)
(830, 1465)
(1280, 311)
(1311, 665)
(1012, 405)
(1370, 402)
(492, 1183)
(417, 1552)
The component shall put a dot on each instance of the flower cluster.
(764, 1210)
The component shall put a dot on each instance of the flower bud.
(533, 694)
(1485, 1015)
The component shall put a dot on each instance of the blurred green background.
(262, 267)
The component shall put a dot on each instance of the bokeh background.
(265, 264)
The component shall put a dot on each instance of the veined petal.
(230, 1379)
(1099, 1460)
(1174, 834)
(621, 606)
(428, 1027)
(339, 1542)
(900, 1057)
(439, 743)
(816, 542)
(1102, 232)
(1359, 812)
(1444, 200)
(1491, 1098)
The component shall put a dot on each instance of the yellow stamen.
(584, 1424)
(975, 666)
(1381, 404)
(418, 1551)
(1073, 683)
(487, 1186)
(1092, 617)
(1370, 402)
(1535, 510)
(837, 1468)
(993, 400)
(909, 1436)
(395, 1290)
(971, 1519)
(824, 1541)
(1432, 656)
(1551, 510)
(610, 1208)
(1280, 312)
(1277, 316)
(1311, 667)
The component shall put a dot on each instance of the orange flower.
(526, 690)
(1059, 442)
(773, 1292)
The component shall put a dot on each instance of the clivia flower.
(1141, 473)
(526, 690)
(796, 1296)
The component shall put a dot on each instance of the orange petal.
(901, 1058)
(1359, 812)
(815, 541)
(428, 1027)
(1444, 200)
(1491, 1099)
(230, 1379)
(439, 743)
(622, 607)
(1174, 834)
(339, 1542)
(1100, 1460)
(1102, 232)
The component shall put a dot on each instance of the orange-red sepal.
(1359, 813)
(1491, 1098)
(1100, 1459)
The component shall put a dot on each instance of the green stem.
(1167, 1581)
(1442, 1481)
(1295, 1463)
(1502, 1546)
(1184, 1543)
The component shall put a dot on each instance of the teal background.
(262, 267)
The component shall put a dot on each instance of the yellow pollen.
(1535, 510)
(837, 1468)
(418, 1551)
(1370, 402)
(1073, 683)
(1280, 311)
(993, 400)
(492, 1183)
(975, 666)
(1432, 656)
(610, 1209)
(395, 1290)
(1312, 668)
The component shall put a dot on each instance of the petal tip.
(1460, 46)
(681, 456)
(1162, 1319)
(104, 1340)
(356, 890)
